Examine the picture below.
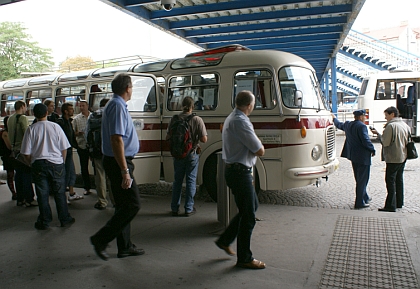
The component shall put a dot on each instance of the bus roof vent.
(223, 49)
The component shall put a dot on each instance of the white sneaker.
(75, 197)
(31, 204)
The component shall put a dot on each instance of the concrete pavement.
(293, 241)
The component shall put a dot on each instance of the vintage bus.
(391, 88)
(289, 116)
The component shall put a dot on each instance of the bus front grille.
(330, 142)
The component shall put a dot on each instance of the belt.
(238, 167)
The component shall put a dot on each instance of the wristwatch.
(125, 172)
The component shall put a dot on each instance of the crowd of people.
(47, 145)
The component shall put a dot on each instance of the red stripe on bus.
(289, 123)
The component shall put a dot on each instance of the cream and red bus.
(289, 116)
(391, 88)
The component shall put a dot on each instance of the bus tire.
(210, 176)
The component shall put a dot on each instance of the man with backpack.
(184, 132)
(94, 146)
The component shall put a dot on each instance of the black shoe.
(100, 250)
(69, 223)
(14, 197)
(190, 213)
(175, 214)
(386, 210)
(133, 251)
(40, 226)
(99, 207)
(362, 207)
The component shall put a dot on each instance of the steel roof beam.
(262, 16)
(266, 26)
(271, 34)
(294, 40)
(222, 7)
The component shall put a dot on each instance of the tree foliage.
(77, 63)
(18, 53)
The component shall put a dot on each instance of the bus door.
(416, 120)
(144, 109)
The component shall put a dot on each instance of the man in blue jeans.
(241, 146)
(45, 146)
(187, 167)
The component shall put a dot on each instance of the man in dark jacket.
(358, 149)
(65, 123)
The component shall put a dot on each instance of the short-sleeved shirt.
(79, 124)
(45, 140)
(116, 120)
(240, 143)
(17, 130)
(198, 128)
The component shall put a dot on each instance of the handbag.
(17, 159)
(20, 162)
(411, 149)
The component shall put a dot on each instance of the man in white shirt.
(79, 126)
(45, 146)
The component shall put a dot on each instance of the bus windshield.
(299, 78)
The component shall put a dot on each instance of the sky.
(92, 28)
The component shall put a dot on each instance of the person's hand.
(373, 130)
(373, 154)
(333, 115)
(126, 181)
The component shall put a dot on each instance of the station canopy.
(314, 30)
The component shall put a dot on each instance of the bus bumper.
(310, 173)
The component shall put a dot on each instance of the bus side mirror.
(298, 98)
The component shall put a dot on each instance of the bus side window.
(36, 96)
(97, 93)
(70, 94)
(202, 88)
(8, 102)
(259, 82)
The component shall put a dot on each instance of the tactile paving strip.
(368, 253)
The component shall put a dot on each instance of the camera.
(168, 4)
(371, 127)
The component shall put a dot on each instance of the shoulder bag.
(18, 160)
(411, 149)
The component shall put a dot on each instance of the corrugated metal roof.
(314, 30)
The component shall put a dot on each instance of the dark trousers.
(84, 167)
(361, 175)
(24, 189)
(49, 179)
(127, 204)
(242, 225)
(395, 185)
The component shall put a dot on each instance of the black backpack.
(94, 141)
(4, 151)
(181, 142)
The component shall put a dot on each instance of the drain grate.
(368, 253)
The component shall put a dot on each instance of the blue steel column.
(334, 84)
(327, 87)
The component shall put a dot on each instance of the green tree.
(77, 63)
(19, 54)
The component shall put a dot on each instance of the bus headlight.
(316, 152)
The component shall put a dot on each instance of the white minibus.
(391, 88)
(289, 116)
